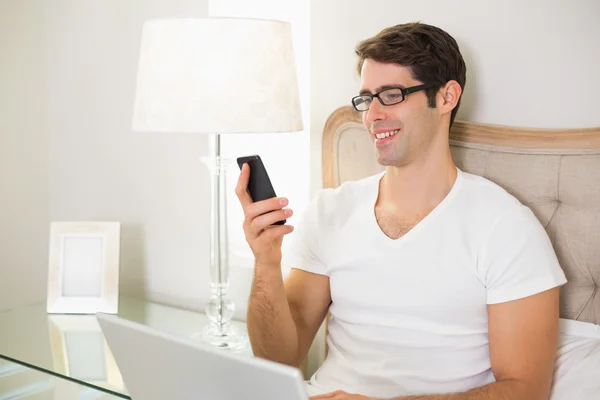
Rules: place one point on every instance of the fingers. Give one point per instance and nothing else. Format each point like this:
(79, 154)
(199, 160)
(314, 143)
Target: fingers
(277, 231)
(262, 228)
(264, 221)
(253, 209)
(260, 216)
(241, 189)
(262, 207)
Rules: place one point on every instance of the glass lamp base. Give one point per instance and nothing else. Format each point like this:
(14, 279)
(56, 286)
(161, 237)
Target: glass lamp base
(228, 338)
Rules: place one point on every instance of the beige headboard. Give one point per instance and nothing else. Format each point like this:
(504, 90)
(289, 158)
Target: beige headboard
(554, 172)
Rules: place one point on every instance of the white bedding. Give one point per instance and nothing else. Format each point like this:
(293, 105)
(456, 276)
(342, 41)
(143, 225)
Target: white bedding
(577, 367)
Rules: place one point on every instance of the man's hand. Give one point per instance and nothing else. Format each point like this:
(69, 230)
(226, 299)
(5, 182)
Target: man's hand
(340, 395)
(264, 238)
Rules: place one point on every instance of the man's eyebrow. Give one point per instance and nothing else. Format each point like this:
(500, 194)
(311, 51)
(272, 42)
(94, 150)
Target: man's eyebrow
(379, 89)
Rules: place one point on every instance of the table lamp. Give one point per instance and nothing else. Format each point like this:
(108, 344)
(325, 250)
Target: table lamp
(217, 76)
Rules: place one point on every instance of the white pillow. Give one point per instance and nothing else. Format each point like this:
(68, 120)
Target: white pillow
(577, 366)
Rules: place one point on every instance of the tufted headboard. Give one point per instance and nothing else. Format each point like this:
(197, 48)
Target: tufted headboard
(554, 172)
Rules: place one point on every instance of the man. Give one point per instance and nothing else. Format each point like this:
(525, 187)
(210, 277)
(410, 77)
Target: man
(440, 284)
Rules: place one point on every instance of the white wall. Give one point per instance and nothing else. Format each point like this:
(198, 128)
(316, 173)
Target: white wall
(154, 184)
(73, 67)
(532, 63)
(23, 158)
(68, 151)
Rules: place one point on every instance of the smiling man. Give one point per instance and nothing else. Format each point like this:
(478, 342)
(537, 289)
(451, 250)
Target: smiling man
(440, 284)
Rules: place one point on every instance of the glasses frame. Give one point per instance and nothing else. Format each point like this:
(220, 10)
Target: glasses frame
(405, 92)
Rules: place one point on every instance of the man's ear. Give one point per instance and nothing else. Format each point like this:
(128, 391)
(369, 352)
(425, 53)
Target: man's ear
(449, 96)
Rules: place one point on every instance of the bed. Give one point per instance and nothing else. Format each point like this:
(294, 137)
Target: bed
(554, 172)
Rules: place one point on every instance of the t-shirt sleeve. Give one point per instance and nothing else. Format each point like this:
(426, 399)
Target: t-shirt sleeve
(302, 249)
(518, 259)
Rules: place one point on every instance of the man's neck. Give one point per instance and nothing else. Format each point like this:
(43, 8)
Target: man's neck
(417, 187)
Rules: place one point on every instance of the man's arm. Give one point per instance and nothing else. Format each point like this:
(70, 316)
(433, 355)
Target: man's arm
(283, 318)
(502, 390)
(523, 338)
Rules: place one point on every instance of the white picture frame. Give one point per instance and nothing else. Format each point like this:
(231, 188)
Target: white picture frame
(83, 268)
(80, 351)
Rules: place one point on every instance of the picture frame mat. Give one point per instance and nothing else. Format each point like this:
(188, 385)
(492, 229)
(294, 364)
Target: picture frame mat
(107, 300)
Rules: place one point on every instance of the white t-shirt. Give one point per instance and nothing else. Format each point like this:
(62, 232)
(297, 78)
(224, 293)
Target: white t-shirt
(409, 316)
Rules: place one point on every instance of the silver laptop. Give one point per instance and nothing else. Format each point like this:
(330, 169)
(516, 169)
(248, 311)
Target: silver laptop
(159, 366)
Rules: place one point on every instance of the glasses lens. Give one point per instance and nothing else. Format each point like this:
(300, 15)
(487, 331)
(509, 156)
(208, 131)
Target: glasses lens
(391, 96)
(361, 103)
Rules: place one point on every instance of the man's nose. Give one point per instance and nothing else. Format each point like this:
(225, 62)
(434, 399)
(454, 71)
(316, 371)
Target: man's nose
(376, 111)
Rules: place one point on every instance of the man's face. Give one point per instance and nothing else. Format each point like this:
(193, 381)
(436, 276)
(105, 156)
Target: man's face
(411, 123)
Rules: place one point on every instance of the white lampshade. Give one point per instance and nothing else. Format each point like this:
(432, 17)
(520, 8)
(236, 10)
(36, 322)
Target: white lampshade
(217, 75)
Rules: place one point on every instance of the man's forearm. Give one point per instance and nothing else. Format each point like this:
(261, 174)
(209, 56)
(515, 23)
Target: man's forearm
(501, 390)
(271, 327)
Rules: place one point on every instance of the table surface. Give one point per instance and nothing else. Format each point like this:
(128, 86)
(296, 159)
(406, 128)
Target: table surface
(60, 347)
(21, 382)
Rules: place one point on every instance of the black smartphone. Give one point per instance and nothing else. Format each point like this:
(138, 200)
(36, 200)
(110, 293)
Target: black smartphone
(259, 184)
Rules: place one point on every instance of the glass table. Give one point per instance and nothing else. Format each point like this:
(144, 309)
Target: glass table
(72, 348)
(20, 382)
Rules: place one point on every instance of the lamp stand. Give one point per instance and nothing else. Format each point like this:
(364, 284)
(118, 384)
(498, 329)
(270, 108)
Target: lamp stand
(219, 309)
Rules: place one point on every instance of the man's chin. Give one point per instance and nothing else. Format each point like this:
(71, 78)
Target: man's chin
(386, 160)
(388, 163)
(396, 163)
(393, 156)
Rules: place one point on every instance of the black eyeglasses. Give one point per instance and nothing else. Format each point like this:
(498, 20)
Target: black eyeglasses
(387, 97)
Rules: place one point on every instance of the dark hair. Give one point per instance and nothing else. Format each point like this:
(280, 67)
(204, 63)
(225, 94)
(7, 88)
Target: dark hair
(431, 53)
